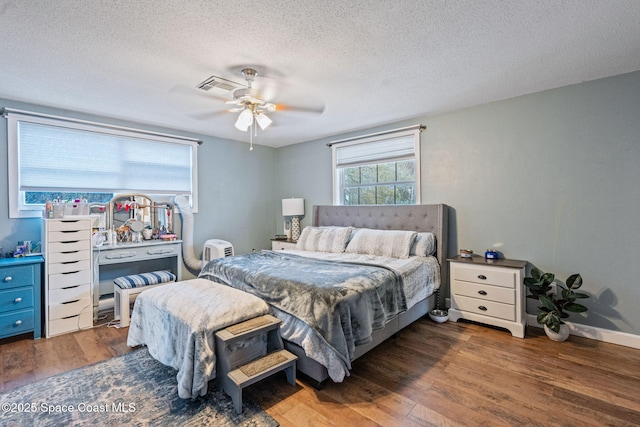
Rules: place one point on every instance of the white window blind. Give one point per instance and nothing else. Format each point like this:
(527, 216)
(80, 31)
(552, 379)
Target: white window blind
(49, 153)
(388, 149)
(381, 168)
(63, 159)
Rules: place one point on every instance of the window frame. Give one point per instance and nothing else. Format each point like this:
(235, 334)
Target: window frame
(17, 207)
(374, 138)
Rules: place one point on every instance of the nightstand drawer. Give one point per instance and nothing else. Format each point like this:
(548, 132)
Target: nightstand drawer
(17, 277)
(16, 322)
(493, 276)
(484, 292)
(486, 308)
(16, 299)
(280, 245)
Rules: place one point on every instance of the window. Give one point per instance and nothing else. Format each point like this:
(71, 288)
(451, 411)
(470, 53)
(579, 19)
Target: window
(55, 157)
(380, 169)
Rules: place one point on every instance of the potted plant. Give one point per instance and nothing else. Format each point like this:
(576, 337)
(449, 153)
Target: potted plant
(555, 305)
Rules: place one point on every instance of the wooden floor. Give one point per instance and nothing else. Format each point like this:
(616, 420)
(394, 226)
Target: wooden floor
(452, 374)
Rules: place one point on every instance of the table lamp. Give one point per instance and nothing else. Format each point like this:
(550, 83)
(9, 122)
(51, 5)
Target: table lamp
(294, 208)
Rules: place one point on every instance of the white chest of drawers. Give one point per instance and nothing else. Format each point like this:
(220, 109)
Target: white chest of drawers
(489, 291)
(67, 252)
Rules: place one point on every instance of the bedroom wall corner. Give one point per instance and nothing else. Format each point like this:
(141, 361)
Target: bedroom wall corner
(549, 177)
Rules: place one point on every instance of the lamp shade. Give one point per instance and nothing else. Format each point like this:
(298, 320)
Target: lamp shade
(244, 120)
(292, 207)
(263, 121)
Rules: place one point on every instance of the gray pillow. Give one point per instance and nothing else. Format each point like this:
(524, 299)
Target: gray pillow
(424, 245)
(389, 243)
(324, 239)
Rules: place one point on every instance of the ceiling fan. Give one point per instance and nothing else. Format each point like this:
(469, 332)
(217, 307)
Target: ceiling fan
(252, 108)
(247, 101)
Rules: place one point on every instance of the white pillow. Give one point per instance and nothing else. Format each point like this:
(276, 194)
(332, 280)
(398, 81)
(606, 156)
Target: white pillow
(389, 243)
(324, 239)
(424, 245)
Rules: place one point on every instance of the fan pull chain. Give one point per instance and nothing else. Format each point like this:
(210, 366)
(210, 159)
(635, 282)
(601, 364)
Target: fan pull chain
(251, 136)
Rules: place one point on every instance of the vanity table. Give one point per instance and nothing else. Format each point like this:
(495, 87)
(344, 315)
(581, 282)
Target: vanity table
(130, 217)
(122, 259)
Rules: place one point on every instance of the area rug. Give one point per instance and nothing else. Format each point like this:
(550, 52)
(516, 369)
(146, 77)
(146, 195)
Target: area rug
(133, 390)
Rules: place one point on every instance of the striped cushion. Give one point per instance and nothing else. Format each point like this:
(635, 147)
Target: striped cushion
(144, 279)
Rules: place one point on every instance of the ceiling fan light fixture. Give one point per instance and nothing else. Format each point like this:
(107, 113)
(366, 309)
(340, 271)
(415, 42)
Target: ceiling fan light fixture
(244, 120)
(263, 121)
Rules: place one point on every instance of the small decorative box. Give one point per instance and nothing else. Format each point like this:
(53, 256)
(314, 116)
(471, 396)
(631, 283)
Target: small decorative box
(491, 254)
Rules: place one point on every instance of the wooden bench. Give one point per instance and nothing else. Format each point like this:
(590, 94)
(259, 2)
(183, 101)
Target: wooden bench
(126, 287)
(249, 352)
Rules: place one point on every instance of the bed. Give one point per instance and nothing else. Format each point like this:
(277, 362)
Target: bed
(367, 312)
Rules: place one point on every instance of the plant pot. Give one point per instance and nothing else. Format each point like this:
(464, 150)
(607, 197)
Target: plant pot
(560, 336)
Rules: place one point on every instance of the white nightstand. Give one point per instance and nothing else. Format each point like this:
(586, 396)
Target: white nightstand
(279, 245)
(489, 291)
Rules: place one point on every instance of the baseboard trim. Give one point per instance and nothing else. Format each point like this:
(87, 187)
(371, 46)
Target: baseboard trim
(594, 333)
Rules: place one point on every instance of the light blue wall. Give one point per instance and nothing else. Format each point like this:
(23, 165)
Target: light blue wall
(552, 178)
(236, 199)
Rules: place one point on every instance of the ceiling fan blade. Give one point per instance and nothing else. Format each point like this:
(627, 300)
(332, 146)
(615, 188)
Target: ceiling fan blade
(299, 109)
(207, 115)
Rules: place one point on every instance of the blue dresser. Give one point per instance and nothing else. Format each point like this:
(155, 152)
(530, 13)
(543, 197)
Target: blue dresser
(20, 296)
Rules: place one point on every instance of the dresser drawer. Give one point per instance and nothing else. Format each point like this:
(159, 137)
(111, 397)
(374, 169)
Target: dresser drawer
(16, 322)
(69, 294)
(55, 257)
(18, 276)
(69, 267)
(68, 236)
(64, 280)
(484, 292)
(70, 224)
(80, 245)
(70, 308)
(16, 299)
(486, 308)
(71, 324)
(493, 275)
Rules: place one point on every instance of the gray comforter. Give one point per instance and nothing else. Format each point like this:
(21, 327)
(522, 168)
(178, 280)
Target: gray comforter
(177, 323)
(343, 302)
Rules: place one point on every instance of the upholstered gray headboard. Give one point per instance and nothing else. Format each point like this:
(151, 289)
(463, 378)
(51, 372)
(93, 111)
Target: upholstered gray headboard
(420, 218)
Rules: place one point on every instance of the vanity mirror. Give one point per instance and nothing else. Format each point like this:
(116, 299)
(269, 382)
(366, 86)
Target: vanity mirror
(131, 214)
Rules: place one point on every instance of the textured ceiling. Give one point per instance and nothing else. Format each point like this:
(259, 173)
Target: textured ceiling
(366, 62)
